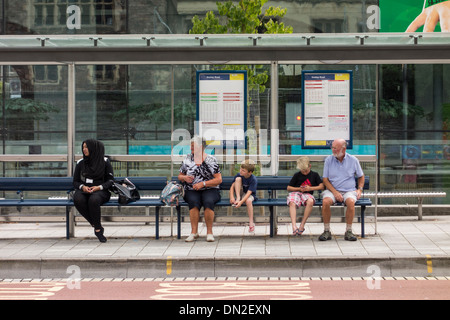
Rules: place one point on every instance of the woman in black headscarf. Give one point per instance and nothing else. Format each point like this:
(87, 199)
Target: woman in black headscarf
(92, 178)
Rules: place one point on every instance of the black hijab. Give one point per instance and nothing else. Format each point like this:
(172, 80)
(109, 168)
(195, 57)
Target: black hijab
(94, 164)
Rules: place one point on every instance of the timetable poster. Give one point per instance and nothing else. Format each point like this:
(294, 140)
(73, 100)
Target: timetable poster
(326, 108)
(222, 107)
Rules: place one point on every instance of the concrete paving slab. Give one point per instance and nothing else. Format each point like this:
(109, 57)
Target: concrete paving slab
(402, 247)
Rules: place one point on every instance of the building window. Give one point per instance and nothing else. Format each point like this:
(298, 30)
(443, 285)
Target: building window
(45, 74)
(104, 12)
(327, 26)
(53, 12)
(105, 72)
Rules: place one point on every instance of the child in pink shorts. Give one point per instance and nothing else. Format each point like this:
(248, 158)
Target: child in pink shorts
(301, 188)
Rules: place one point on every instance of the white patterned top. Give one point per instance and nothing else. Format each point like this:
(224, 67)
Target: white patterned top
(203, 172)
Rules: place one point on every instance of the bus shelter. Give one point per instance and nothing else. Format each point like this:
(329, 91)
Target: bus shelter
(219, 49)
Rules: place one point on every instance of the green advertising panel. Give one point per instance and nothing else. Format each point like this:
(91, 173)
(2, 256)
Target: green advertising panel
(399, 15)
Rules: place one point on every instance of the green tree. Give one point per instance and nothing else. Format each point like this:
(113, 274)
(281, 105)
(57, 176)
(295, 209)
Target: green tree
(20, 108)
(245, 16)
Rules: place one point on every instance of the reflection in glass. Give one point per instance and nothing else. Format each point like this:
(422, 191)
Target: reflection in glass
(33, 100)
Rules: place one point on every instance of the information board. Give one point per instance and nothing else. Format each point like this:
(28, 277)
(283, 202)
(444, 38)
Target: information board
(327, 102)
(222, 107)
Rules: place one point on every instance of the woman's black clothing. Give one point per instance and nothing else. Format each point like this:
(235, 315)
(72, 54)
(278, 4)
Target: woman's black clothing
(81, 177)
(88, 205)
(94, 164)
(93, 170)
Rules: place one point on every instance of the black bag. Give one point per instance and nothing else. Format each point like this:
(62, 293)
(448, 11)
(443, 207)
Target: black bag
(126, 191)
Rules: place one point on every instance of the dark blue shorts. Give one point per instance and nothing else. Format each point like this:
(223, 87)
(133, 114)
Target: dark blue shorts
(202, 198)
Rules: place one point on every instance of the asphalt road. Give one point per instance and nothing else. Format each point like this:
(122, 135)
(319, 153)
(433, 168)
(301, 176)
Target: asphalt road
(433, 288)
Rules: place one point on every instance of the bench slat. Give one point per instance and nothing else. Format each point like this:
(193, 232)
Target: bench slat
(407, 194)
(36, 184)
(66, 183)
(139, 203)
(36, 203)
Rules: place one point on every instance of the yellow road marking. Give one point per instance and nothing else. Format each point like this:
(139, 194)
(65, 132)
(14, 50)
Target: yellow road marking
(429, 264)
(169, 265)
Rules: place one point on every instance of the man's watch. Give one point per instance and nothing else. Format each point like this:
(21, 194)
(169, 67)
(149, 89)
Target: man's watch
(204, 184)
(360, 188)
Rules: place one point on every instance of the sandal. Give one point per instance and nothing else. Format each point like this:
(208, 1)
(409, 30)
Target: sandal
(251, 229)
(300, 232)
(295, 232)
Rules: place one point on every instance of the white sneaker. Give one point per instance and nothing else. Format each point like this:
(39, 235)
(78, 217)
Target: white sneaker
(191, 237)
(209, 238)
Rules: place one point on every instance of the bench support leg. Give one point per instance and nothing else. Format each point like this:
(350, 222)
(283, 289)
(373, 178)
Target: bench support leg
(271, 221)
(419, 208)
(70, 229)
(363, 209)
(157, 222)
(178, 222)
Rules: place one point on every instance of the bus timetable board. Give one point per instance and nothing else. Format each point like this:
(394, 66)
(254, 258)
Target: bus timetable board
(327, 101)
(222, 107)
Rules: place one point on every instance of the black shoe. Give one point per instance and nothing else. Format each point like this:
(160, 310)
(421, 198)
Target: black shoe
(100, 235)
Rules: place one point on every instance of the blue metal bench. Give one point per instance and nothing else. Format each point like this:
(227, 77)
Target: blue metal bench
(64, 184)
(271, 184)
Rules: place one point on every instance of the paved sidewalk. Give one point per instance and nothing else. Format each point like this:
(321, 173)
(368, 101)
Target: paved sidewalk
(403, 246)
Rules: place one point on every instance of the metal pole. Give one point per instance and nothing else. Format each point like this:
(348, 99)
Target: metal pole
(274, 135)
(70, 215)
(70, 118)
(405, 100)
(172, 124)
(377, 142)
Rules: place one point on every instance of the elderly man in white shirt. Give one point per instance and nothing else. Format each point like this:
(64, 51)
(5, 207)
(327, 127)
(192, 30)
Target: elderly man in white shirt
(339, 174)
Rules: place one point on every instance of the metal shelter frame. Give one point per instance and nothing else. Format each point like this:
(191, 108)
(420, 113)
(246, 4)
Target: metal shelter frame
(273, 49)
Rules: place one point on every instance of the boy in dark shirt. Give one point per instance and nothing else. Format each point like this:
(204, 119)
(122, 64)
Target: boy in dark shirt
(245, 181)
(301, 188)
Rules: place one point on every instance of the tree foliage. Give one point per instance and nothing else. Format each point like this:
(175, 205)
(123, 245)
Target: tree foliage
(19, 108)
(248, 17)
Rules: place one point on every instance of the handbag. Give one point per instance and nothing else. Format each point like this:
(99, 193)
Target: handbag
(126, 191)
(171, 193)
